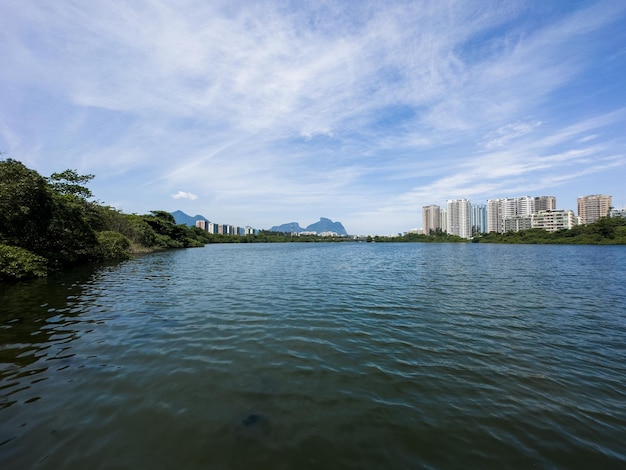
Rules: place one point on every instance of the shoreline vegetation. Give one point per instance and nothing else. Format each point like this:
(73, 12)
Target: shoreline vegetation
(51, 223)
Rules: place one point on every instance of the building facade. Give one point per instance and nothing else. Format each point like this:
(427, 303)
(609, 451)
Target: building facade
(618, 213)
(517, 206)
(517, 223)
(519, 209)
(443, 220)
(591, 208)
(554, 220)
(431, 219)
(494, 216)
(479, 218)
(545, 203)
(460, 218)
(203, 224)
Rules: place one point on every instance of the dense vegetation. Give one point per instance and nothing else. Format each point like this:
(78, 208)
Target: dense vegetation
(47, 223)
(438, 236)
(605, 231)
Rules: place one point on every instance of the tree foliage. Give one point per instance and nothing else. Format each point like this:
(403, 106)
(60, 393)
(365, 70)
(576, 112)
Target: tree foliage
(113, 245)
(26, 206)
(70, 183)
(49, 223)
(17, 263)
(604, 231)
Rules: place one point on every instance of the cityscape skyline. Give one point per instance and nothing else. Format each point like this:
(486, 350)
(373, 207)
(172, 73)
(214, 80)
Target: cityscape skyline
(363, 112)
(464, 219)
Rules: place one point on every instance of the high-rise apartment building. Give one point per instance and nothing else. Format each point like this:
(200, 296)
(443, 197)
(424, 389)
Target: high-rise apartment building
(494, 216)
(517, 208)
(443, 220)
(591, 208)
(545, 203)
(431, 219)
(460, 218)
(479, 218)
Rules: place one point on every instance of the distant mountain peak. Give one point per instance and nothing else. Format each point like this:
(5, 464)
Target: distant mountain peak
(183, 219)
(324, 225)
(289, 227)
(327, 225)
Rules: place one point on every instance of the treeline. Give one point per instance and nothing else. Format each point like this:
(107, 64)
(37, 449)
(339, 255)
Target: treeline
(48, 223)
(437, 236)
(604, 231)
(267, 236)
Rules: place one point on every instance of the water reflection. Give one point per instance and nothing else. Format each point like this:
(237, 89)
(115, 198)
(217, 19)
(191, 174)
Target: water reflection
(311, 356)
(36, 329)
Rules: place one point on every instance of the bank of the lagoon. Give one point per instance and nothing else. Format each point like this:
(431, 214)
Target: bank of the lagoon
(354, 355)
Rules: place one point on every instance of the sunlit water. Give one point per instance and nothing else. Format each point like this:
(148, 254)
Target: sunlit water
(296, 356)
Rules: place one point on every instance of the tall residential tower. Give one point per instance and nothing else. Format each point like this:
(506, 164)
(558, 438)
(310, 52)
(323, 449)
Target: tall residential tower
(460, 218)
(591, 208)
(431, 219)
(479, 218)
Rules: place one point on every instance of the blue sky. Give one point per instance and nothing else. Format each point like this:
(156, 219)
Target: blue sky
(262, 113)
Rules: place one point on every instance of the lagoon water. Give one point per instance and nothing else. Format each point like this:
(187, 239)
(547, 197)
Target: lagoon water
(309, 356)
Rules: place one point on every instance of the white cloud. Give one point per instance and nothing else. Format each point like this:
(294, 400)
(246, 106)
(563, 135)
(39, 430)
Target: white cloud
(184, 195)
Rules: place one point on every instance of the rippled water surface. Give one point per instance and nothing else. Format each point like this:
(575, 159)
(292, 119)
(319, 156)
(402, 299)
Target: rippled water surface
(320, 356)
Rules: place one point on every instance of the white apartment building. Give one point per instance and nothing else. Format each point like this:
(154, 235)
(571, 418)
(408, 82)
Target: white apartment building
(517, 223)
(618, 213)
(517, 206)
(460, 218)
(554, 220)
(499, 210)
(494, 216)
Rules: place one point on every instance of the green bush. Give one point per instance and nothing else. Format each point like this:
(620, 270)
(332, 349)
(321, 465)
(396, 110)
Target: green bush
(113, 246)
(19, 263)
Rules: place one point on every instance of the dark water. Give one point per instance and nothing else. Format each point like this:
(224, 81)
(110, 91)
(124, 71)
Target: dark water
(320, 356)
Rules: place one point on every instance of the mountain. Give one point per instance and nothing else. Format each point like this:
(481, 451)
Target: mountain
(324, 225)
(183, 219)
(327, 225)
(287, 228)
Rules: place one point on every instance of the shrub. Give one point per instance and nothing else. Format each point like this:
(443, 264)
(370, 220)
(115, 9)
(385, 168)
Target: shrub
(112, 246)
(19, 263)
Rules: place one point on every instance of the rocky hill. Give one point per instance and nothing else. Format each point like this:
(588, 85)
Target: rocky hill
(323, 225)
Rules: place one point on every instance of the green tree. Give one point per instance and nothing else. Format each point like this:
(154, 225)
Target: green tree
(69, 182)
(71, 236)
(26, 207)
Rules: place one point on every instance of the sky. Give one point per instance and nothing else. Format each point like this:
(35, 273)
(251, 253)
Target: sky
(268, 112)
